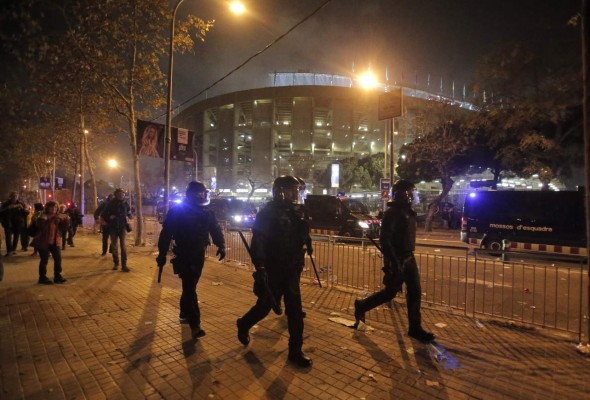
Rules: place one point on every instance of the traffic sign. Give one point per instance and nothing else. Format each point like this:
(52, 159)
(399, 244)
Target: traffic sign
(390, 105)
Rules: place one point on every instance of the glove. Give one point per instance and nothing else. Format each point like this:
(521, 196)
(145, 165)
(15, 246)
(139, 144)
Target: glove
(259, 287)
(220, 253)
(161, 260)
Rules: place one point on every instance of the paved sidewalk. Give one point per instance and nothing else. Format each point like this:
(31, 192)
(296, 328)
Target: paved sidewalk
(112, 335)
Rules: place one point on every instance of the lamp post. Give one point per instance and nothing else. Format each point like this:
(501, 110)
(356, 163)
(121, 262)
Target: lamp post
(237, 8)
(168, 137)
(83, 133)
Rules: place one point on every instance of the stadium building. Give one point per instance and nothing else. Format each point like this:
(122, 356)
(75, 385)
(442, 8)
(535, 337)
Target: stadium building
(298, 125)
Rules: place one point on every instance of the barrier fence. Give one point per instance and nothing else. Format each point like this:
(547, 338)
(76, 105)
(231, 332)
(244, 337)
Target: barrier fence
(546, 291)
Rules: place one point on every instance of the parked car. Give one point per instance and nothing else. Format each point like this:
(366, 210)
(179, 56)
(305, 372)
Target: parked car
(237, 214)
(341, 216)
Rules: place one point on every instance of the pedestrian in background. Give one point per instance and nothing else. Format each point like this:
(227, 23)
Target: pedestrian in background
(277, 248)
(48, 241)
(103, 230)
(76, 218)
(64, 227)
(116, 215)
(398, 241)
(32, 228)
(13, 214)
(24, 235)
(189, 225)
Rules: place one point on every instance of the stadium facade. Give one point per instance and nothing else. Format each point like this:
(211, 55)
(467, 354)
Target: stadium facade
(299, 124)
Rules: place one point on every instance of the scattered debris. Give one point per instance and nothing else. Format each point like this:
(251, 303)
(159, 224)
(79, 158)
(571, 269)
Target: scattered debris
(410, 350)
(432, 383)
(532, 307)
(440, 325)
(148, 322)
(217, 283)
(479, 324)
(583, 349)
(336, 314)
(342, 321)
(440, 354)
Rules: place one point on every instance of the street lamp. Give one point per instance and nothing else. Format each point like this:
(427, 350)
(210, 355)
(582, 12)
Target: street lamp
(237, 8)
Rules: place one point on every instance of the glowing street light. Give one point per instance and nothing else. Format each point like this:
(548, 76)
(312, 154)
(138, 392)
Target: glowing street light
(112, 163)
(368, 80)
(237, 8)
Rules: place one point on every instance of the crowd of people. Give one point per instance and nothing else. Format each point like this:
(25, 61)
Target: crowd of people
(49, 228)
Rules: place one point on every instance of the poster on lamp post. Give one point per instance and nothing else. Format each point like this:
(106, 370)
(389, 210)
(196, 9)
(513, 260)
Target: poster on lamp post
(44, 182)
(181, 148)
(151, 137)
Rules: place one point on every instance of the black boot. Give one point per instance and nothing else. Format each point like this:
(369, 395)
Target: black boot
(197, 332)
(43, 280)
(59, 279)
(243, 335)
(299, 359)
(359, 315)
(421, 335)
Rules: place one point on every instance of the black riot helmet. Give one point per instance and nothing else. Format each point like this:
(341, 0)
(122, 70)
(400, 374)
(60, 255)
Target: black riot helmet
(287, 189)
(404, 191)
(197, 193)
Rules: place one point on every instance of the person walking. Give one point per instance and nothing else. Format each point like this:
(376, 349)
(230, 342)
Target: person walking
(277, 248)
(13, 214)
(32, 228)
(48, 241)
(190, 224)
(64, 227)
(116, 215)
(398, 241)
(76, 218)
(101, 222)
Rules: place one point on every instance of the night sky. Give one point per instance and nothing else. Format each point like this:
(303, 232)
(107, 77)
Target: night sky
(443, 38)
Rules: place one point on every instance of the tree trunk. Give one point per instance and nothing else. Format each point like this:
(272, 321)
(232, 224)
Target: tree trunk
(94, 203)
(447, 184)
(136, 181)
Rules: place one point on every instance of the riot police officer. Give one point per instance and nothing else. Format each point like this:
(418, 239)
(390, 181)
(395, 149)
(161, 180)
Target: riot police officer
(398, 241)
(189, 224)
(278, 238)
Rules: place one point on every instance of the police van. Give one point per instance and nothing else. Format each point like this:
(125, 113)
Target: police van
(340, 216)
(546, 221)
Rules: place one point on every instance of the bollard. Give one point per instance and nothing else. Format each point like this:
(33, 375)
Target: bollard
(505, 249)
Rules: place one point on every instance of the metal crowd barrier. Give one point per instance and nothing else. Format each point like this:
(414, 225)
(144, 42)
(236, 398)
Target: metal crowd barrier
(536, 292)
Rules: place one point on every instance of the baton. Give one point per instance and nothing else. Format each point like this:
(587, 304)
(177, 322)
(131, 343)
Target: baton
(276, 307)
(376, 245)
(315, 270)
(160, 268)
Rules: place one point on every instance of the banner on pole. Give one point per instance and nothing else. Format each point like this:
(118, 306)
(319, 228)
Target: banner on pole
(151, 137)
(44, 182)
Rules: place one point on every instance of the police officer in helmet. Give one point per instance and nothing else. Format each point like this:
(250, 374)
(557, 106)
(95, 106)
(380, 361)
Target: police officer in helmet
(189, 224)
(398, 241)
(278, 241)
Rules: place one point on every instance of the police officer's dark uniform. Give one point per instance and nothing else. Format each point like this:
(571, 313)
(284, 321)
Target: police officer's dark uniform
(189, 224)
(278, 238)
(398, 241)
